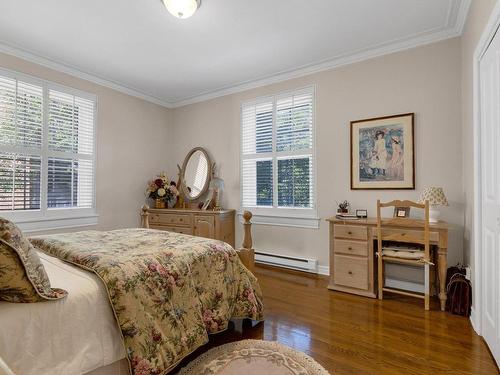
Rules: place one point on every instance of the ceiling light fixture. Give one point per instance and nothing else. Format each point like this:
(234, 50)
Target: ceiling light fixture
(182, 8)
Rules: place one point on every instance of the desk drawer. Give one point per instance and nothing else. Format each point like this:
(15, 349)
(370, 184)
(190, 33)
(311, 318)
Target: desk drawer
(351, 247)
(175, 219)
(350, 272)
(183, 230)
(407, 235)
(354, 232)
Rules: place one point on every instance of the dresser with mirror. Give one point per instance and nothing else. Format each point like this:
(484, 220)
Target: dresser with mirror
(187, 217)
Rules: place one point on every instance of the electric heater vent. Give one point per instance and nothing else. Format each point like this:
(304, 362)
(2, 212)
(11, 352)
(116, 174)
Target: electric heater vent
(301, 264)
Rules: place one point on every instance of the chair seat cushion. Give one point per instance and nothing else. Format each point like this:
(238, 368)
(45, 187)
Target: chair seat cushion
(403, 254)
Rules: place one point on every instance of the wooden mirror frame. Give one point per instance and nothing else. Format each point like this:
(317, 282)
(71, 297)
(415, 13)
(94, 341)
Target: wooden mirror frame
(183, 187)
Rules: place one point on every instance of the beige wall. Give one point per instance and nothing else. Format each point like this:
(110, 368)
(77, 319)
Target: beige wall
(132, 143)
(425, 80)
(479, 14)
(134, 138)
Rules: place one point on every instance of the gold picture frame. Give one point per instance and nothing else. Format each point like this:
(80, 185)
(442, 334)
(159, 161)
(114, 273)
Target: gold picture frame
(382, 153)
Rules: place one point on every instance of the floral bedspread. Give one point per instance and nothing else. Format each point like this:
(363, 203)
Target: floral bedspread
(168, 290)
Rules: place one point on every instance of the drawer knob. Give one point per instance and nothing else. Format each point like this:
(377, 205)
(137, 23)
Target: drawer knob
(349, 248)
(349, 232)
(350, 272)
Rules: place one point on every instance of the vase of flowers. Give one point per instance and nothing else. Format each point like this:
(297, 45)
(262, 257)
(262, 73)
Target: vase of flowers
(343, 207)
(163, 191)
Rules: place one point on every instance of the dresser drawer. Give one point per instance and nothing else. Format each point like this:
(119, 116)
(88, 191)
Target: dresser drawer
(351, 247)
(350, 272)
(166, 219)
(183, 230)
(354, 232)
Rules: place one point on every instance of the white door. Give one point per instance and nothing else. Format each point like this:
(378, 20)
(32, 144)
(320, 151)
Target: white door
(490, 177)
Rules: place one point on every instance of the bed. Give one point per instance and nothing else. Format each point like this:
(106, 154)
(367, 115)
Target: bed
(73, 336)
(206, 286)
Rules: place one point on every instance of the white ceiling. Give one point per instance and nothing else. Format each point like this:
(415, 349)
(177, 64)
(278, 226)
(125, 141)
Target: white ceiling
(136, 46)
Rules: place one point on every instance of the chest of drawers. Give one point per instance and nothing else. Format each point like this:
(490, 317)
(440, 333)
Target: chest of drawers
(351, 258)
(218, 225)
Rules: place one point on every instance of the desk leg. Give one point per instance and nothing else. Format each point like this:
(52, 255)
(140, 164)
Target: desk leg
(442, 267)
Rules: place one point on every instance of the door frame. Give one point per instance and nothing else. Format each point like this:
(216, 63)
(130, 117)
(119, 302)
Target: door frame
(486, 37)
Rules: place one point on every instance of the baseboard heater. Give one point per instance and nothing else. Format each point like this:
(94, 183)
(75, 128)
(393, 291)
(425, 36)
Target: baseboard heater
(285, 261)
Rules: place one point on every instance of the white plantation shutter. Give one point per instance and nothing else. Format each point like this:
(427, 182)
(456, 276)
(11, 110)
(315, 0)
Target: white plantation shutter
(294, 122)
(46, 146)
(277, 157)
(21, 117)
(257, 140)
(70, 144)
(20, 177)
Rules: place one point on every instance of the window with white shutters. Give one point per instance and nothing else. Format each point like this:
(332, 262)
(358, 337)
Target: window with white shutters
(46, 149)
(277, 154)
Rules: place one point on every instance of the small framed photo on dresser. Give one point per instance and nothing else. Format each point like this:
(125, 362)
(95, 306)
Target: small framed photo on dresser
(382, 153)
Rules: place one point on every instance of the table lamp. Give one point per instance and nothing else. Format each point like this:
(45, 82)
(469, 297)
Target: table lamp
(217, 186)
(435, 196)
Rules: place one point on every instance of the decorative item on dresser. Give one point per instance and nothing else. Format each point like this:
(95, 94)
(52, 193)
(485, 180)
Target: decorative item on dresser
(163, 191)
(352, 253)
(217, 187)
(218, 225)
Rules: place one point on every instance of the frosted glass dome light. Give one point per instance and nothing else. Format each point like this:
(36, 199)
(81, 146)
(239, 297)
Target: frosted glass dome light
(182, 8)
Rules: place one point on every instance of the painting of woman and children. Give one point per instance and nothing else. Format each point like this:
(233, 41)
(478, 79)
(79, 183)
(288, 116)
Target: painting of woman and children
(382, 153)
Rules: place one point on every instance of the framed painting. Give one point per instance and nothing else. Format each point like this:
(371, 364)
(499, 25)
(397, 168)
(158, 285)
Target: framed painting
(382, 153)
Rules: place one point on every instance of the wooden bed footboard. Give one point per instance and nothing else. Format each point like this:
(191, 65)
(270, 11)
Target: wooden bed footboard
(246, 253)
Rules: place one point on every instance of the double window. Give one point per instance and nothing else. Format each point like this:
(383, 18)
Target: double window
(46, 149)
(277, 158)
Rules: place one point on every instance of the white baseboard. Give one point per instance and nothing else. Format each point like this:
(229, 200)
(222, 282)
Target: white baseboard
(474, 321)
(323, 270)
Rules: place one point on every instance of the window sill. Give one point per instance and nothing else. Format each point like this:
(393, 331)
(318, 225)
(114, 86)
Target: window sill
(311, 222)
(41, 224)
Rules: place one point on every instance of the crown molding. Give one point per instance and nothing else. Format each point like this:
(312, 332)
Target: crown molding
(337, 62)
(457, 16)
(463, 11)
(75, 72)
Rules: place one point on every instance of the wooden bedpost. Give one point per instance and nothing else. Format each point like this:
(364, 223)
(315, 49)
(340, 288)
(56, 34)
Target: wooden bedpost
(247, 253)
(145, 216)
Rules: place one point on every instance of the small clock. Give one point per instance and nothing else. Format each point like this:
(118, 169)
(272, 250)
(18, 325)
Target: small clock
(362, 214)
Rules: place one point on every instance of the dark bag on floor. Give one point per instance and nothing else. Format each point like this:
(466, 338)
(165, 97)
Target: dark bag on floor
(459, 292)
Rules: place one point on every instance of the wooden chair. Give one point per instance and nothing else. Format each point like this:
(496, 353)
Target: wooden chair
(415, 258)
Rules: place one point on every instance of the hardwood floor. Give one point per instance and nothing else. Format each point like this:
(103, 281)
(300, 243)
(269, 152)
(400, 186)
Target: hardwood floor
(355, 335)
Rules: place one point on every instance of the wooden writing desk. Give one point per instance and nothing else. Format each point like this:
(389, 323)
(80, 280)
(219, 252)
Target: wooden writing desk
(352, 254)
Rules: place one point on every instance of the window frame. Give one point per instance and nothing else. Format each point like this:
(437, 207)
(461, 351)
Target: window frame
(54, 218)
(275, 215)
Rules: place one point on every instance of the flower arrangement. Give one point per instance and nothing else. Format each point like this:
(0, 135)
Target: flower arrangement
(162, 190)
(343, 207)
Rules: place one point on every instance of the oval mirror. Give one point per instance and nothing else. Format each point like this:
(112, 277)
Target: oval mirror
(196, 173)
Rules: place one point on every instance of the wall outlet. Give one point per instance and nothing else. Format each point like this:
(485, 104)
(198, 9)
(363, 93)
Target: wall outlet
(467, 272)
